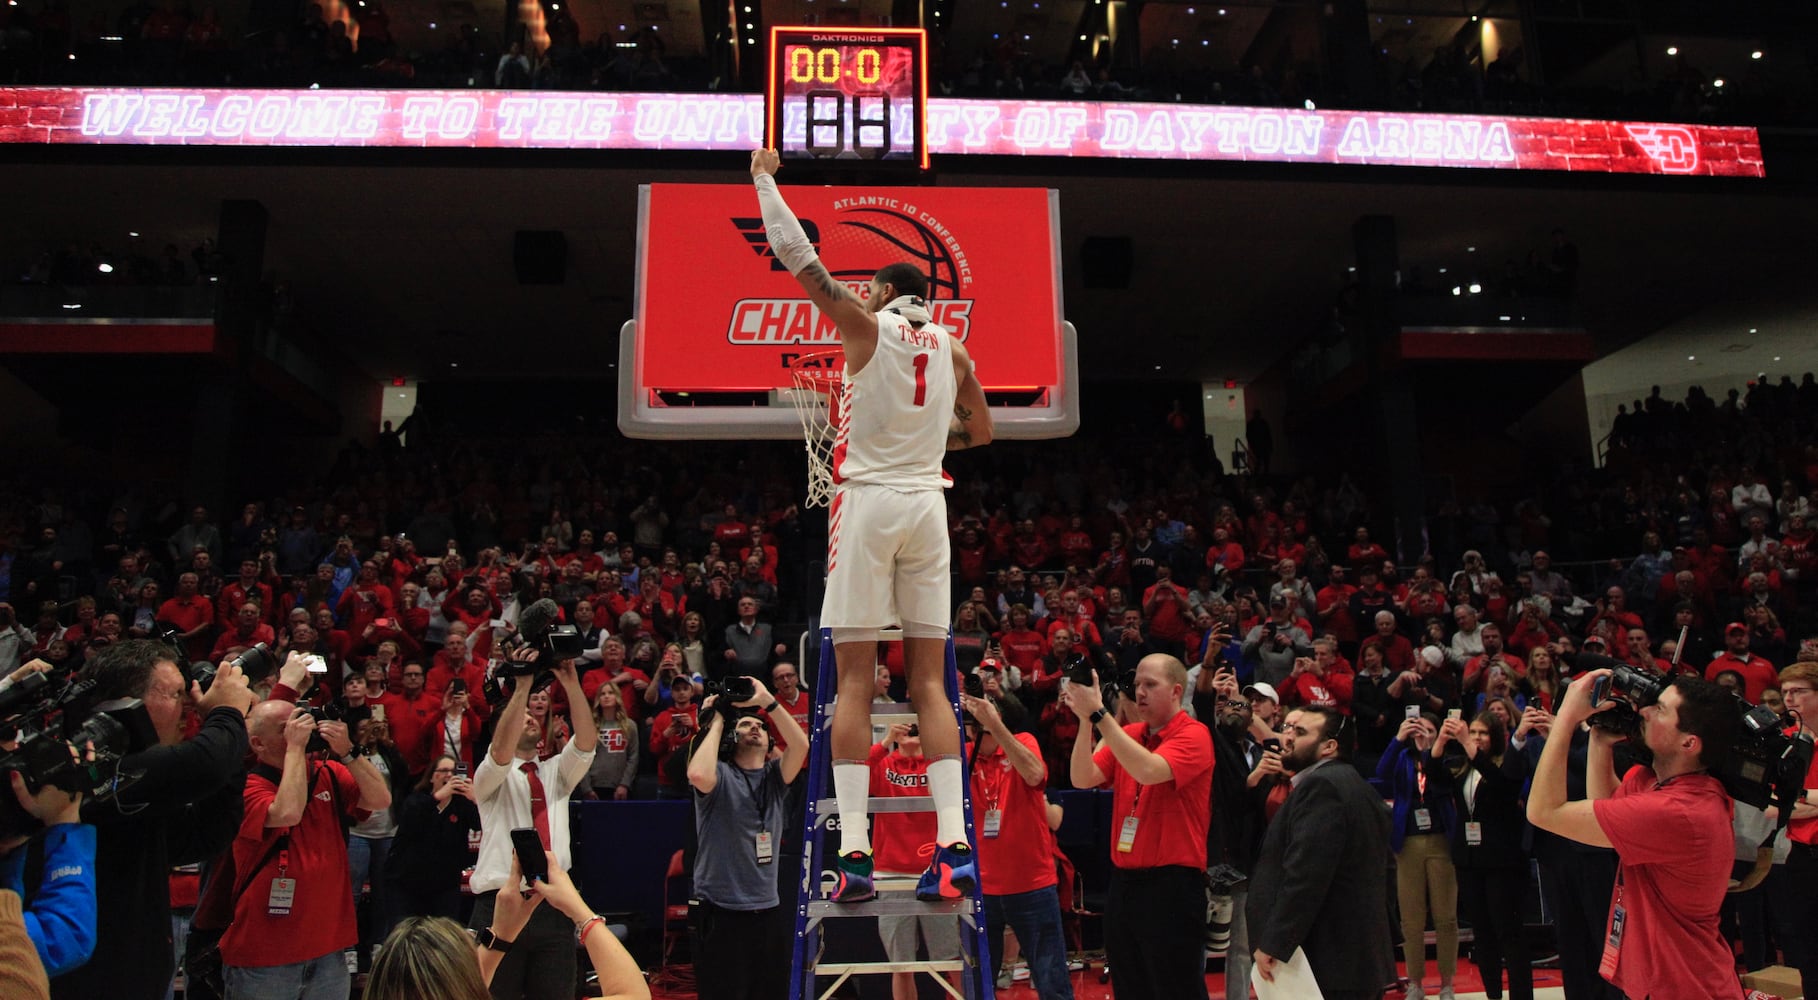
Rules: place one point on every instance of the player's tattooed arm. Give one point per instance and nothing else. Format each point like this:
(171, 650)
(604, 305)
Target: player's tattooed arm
(816, 278)
(959, 433)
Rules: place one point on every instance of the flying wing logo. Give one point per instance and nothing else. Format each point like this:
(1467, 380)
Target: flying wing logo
(753, 232)
(869, 238)
(1672, 146)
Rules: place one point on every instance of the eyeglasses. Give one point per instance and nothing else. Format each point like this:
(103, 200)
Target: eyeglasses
(1788, 692)
(444, 770)
(172, 695)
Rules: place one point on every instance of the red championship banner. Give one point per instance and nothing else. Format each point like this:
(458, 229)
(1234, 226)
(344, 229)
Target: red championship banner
(716, 311)
(498, 119)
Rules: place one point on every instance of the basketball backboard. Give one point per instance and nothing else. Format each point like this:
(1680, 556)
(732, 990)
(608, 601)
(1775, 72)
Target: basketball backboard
(718, 319)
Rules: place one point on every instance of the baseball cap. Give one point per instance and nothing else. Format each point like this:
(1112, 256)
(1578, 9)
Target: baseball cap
(1735, 627)
(989, 663)
(1266, 690)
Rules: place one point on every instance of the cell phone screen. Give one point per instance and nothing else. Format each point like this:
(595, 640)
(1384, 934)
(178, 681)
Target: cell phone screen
(531, 860)
(317, 665)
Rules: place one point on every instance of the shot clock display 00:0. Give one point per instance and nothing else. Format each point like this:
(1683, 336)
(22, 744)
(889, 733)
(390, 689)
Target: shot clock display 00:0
(851, 95)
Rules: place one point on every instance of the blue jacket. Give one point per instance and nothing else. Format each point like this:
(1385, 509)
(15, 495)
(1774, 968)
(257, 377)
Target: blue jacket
(1397, 770)
(61, 918)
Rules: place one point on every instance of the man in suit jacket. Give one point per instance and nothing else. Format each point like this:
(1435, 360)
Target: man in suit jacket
(1322, 879)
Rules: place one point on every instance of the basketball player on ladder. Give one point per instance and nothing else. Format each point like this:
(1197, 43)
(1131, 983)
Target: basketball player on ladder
(909, 396)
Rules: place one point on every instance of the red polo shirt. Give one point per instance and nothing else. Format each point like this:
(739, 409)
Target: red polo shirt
(321, 918)
(1805, 831)
(1171, 817)
(1021, 857)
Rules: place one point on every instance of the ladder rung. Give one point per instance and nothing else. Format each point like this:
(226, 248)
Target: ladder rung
(903, 804)
(891, 718)
(885, 906)
(862, 968)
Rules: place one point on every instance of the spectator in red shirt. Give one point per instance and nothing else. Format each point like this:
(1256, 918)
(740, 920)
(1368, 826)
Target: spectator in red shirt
(670, 733)
(247, 588)
(613, 668)
(1493, 655)
(1076, 543)
(456, 732)
(1225, 558)
(1023, 646)
(1332, 606)
(410, 711)
(1324, 679)
(365, 601)
(192, 613)
(1757, 673)
(1397, 651)
(1165, 609)
(1364, 552)
(247, 631)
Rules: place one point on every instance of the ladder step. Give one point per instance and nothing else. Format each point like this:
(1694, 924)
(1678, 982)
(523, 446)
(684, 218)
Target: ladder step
(887, 906)
(862, 968)
(904, 804)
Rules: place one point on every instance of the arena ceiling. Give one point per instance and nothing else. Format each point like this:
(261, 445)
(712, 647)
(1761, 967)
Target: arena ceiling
(406, 269)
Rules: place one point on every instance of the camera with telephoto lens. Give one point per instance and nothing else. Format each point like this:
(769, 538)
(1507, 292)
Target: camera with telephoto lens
(1765, 766)
(53, 718)
(256, 663)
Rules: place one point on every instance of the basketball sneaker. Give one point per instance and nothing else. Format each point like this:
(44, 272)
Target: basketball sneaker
(854, 871)
(951, 874)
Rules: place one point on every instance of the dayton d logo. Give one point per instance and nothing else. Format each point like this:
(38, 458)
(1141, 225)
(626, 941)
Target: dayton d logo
(1672, 146)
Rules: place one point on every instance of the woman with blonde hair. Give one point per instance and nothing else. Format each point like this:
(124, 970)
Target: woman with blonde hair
(435, 957)
(615, 764)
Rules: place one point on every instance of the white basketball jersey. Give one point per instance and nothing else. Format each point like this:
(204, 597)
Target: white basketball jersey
(896, 411)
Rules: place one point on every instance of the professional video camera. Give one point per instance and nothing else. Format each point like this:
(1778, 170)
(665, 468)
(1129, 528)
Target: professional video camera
(52, 720)
(537, 629)
(729, 691)
(1765, 765)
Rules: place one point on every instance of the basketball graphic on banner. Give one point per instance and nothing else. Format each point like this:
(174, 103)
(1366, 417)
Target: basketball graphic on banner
(866, 239)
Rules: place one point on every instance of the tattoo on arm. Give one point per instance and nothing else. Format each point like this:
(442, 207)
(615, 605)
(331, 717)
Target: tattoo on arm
(816, 274)
(959, 433)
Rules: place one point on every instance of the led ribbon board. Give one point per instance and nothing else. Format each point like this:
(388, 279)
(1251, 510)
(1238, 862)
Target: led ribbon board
(541, 119)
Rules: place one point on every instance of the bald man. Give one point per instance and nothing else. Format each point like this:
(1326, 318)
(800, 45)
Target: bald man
(293, 915)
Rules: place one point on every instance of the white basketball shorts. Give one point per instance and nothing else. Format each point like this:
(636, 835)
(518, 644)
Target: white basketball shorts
(888, 558)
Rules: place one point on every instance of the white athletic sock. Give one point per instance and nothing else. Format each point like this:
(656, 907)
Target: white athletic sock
(852, 790)
(946, 784)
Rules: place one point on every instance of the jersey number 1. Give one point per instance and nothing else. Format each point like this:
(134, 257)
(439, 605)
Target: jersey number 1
(921, 379)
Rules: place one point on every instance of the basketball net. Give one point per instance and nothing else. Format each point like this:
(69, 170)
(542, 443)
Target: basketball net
(819, 382)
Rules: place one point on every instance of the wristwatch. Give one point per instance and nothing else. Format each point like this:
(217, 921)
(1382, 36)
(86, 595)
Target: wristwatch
(1099, 716)
(772, 706)
(485, 938)
(354, 752)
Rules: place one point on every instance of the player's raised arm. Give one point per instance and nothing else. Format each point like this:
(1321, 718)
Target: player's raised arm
(796, 251)
(971, 425)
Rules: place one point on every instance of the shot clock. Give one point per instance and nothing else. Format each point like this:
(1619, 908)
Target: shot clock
(855, 96)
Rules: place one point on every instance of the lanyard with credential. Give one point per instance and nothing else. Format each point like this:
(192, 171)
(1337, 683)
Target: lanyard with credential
(760, 797)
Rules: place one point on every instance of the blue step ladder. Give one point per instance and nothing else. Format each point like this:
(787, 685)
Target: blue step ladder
(895, 897)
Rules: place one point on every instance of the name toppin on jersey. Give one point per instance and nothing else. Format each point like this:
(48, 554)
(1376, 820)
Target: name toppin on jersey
(895, 412)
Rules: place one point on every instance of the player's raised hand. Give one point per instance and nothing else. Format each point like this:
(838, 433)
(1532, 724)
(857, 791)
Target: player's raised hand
(765, 161)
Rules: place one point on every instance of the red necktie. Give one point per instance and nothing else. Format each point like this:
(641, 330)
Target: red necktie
(539, 806)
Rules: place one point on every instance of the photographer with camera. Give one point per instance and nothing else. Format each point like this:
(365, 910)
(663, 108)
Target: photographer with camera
(516, 790)
(183, 808)
(1670, 826)
(741, 928)
(293, 913)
